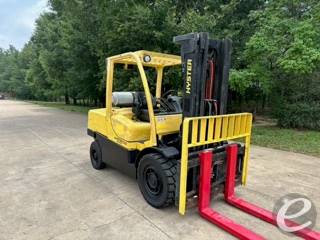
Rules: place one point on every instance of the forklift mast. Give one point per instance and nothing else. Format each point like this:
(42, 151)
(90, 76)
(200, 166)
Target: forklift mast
(205, 71)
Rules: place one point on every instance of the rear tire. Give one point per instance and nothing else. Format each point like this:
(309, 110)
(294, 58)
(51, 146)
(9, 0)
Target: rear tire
(156, 179)
(96, 156)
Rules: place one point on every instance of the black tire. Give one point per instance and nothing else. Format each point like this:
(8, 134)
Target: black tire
(96, 156)
(156, 179)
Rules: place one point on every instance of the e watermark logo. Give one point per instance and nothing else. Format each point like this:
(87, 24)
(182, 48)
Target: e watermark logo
(295, 208)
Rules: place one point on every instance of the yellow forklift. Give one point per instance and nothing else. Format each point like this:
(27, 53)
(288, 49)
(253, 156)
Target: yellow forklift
(166, 141)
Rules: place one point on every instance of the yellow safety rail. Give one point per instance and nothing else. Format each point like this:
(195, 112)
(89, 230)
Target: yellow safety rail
(212, 129)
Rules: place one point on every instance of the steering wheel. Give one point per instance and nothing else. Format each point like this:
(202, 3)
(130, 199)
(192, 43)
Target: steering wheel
(167, 93)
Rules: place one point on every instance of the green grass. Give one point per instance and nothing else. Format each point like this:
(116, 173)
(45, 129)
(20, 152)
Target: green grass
(307, 142)
(63, 106)
(301, 141)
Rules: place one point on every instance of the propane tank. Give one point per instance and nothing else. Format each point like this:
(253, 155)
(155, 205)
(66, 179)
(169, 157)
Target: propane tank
(122, 99)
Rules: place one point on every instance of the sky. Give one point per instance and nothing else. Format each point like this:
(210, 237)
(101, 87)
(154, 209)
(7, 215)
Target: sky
(17, 21)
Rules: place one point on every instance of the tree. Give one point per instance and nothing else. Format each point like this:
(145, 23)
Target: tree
(275, 60)
(13, 66)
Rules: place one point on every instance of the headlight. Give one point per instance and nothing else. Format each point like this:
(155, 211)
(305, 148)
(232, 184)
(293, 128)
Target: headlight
(146, 58)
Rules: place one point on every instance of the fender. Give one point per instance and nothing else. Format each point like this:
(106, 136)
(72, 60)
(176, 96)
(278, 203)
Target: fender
(167, 152)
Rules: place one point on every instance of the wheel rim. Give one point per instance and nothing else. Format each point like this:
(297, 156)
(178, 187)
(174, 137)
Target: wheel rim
(94, 155)
(152, 181)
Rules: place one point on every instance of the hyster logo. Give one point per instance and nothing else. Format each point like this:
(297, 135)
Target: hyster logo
(188, 81)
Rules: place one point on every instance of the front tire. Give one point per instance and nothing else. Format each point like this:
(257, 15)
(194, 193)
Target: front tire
(96, 156)
(157, 180)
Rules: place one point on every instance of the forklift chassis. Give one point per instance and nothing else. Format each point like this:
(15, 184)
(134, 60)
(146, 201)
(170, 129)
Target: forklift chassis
(119, 130)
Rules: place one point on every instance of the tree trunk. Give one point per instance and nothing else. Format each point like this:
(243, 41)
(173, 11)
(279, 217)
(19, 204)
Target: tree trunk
(241, 103)
(264, 99)
(66, 98)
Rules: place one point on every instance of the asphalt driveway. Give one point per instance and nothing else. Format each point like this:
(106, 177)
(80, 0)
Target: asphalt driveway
(48, 189)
